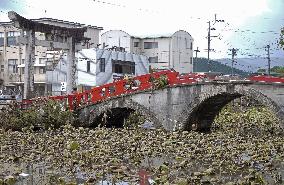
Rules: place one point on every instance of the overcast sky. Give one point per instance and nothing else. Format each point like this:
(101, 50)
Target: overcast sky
(249, 24)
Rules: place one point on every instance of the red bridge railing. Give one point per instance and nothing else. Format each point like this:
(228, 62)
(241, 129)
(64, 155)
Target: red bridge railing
(103, 92)
(267, 79)
(143, 82)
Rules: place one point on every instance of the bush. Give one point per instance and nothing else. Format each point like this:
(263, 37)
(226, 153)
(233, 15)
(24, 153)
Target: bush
(160, 83)
(48, 114)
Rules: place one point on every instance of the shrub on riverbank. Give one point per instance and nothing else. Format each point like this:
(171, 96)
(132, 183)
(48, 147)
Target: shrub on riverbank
(255, 119)
(49, 114)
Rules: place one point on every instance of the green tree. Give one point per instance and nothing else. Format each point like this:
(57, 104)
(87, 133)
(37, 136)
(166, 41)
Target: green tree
(261, 70)
(278, 69)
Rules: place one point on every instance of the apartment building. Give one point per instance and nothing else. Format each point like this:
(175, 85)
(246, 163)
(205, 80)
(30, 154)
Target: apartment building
(97, 67)
(12, 54)
(169, 51)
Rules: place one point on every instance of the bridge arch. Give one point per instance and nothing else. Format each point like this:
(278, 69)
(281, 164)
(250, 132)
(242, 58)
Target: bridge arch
(200, 113)
(121, 106)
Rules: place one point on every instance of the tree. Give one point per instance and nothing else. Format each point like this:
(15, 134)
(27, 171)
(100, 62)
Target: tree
(278, 69)
(261, 70)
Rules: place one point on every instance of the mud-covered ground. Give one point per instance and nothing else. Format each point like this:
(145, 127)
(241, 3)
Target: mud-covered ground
(243, 147)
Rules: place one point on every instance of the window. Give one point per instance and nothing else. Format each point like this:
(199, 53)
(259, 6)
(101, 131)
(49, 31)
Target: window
(23, 61)
(41, 70)
(13, 33)
(88, 66)
(22, 71)
(191, 60)
(102, 65)
(191, 45)
(150, 45)
(1, 39)
(12, 66)
(2, 68)
(11, 39)
(153, 59)
(42, 60)
(117, 68)
(123, 67)
(136, 44)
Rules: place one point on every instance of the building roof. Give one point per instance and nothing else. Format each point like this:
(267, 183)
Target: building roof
(115, 31)
(165, 35)
(107, 54)
(162, 35)
(57, 21)
(66, 22)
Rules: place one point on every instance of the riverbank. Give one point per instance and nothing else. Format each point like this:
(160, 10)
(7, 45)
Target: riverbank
(243, 147)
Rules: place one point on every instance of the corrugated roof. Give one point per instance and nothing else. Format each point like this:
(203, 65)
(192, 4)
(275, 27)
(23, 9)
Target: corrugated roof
(116, 55)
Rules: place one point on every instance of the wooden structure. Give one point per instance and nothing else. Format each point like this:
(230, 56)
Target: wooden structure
(73, 36)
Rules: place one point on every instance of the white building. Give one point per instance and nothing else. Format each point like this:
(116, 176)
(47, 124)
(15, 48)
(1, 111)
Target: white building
(172, 51)
(98, 66)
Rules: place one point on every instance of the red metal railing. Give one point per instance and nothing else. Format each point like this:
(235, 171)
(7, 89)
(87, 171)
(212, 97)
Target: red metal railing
(143, 82)
(267, 79)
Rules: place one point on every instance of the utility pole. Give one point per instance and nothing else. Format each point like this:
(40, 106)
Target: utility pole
(196, 51)
(209, 38)
(234, 53)
(268, 58)
(208, 48)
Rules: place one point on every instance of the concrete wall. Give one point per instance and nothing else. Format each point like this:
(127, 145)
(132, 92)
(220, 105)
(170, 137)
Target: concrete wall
(87, 78)
(139, 48)
(181, 52)
(162, 52)
(117, 38)
(174, 51)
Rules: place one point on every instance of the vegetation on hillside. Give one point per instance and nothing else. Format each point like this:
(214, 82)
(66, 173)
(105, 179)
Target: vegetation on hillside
(276, 71)
(201, 65)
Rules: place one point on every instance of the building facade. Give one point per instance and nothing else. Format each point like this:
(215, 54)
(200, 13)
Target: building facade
(12, 54)
(172, 51)
(97, 67)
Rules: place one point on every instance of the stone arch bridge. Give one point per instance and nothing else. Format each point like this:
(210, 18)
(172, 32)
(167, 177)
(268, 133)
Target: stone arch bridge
(185, 100)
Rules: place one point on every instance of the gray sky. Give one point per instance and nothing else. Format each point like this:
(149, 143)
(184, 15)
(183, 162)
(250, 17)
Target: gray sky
(249, 24)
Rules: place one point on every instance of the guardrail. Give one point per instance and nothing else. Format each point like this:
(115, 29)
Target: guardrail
(136, 84)
(266, 79)
(118, 88)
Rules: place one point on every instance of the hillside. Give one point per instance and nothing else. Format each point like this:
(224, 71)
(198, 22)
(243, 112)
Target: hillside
(252, 64)
(201, 65)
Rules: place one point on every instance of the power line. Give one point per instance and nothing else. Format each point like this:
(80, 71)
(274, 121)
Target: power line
(124, 6)
(252, 31)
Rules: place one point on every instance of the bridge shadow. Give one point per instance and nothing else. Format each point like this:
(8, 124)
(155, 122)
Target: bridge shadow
(203, 115)
(112, 118)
